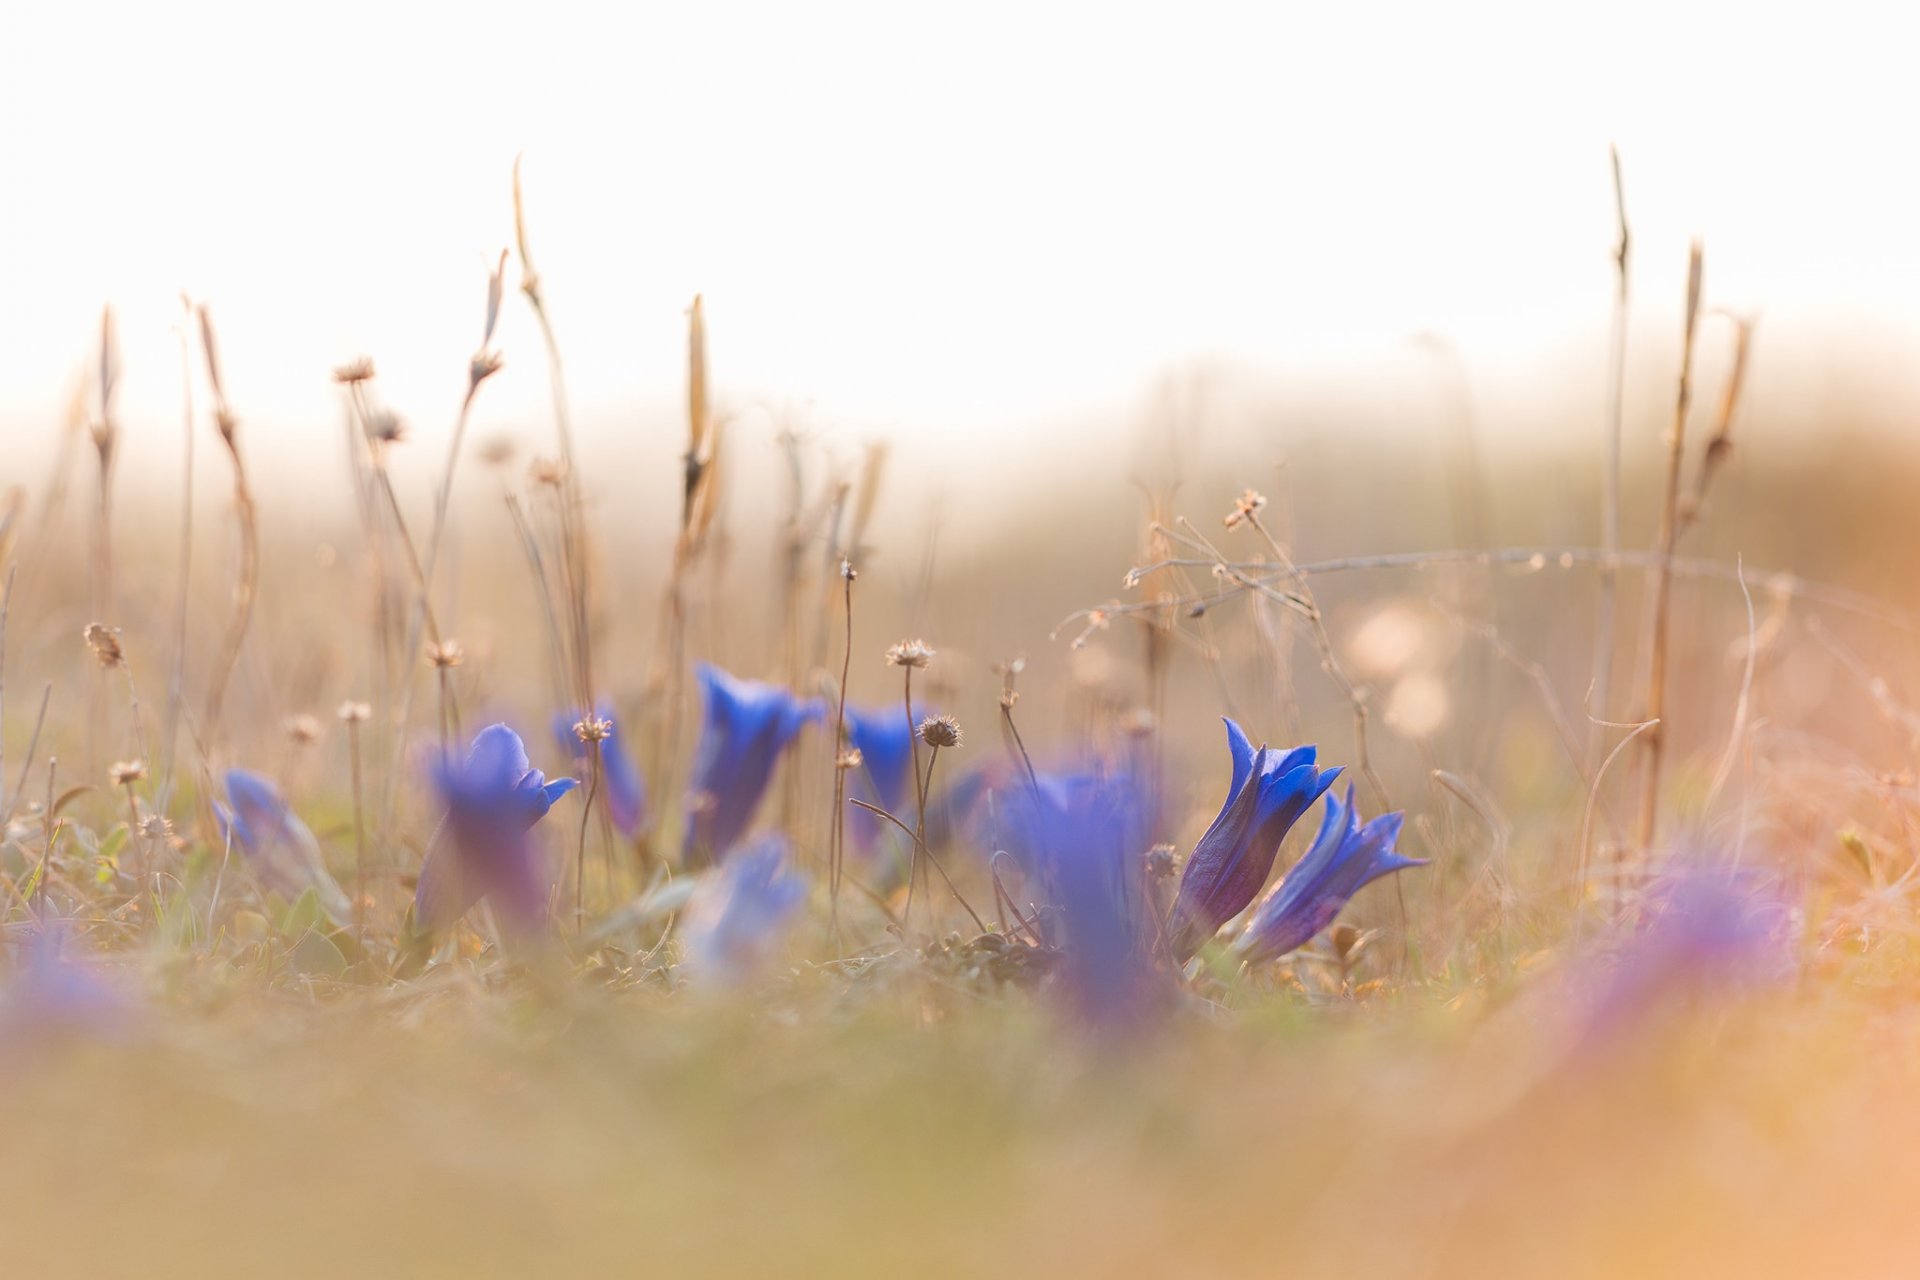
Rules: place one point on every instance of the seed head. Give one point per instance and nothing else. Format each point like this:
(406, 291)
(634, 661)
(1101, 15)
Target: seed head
(386, 427)
(498, 451)
(105, 643)
(303, 729)
(485, 365)
(593, 729)
(547, 471)
(850, 759)
(157, 828)
(354, 712)
(360, 370)
(127, 772)
(1249, 502)
(910, 653)
(447, 653)
(940, 731)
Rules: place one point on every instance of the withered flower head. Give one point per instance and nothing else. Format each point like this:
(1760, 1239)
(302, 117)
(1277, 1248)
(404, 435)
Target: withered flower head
(448, 653)
(354, 712)
(127, 772)
(105, 643)
(910, 653)
(1249, 502)
(360, 370)
(940, 731)
(303, 728)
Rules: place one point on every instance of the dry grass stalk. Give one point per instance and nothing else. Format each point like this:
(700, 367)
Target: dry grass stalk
(1662, 585)
(574, 559)
(247, 577)
(177, 677)
(1610, 476)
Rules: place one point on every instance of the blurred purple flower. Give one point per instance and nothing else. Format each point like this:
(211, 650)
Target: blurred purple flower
(1700, 929)
(278, 846)
(1343, 858)
(1081, 837)
(1269, 792)
(884, 740)
(620, 784)
(50, 991)
(741, 911)
(484, 848)
(748, 724)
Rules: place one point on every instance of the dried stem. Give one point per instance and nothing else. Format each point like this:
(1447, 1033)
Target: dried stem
(838, 851)
(1610, 477)
(1662, 585)
(1329, 661)
(246, 581)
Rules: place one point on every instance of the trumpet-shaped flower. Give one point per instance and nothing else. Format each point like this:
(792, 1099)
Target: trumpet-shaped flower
(1080, 837)
(1344, 857)
(51, 991)
(741, 911)
(278, 846)
(484, 848)
(748, 724)
(620, 783)
(1269, 792)
(884, 740)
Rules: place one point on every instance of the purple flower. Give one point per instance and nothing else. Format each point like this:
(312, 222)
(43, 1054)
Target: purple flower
(1080, 836)
(884, 740)
(484, 848)
(620, 784)
(51, 991)
(1344, 857)
(1231, 862)
(748, 724)
(278, 846)
(1700, 930)
(741, 911)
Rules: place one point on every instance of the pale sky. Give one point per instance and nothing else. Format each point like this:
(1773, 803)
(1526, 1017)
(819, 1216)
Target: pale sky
(949, 224)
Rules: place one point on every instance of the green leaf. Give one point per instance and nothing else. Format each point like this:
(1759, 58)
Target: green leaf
(116, 841)
(315, 955)
(303, 915)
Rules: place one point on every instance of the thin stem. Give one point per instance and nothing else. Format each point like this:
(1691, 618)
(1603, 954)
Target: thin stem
(1610, 477)
(1662, 585)
(359, 834)
(837, 853)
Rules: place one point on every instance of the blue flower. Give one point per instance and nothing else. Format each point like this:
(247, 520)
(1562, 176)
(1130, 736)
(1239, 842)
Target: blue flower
(1233, 859)
(1700, 932)
(1344, 857)
(884, 740)
(1080, 836)
(620, 784)
(484, 848)
(741, 911)
(748, 724)
(52, 992)
(278, 846)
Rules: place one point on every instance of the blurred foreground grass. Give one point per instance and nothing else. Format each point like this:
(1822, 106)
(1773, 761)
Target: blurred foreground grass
(450, 1132)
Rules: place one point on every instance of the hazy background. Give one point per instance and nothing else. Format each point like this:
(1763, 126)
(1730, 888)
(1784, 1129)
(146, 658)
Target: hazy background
(1017, 231)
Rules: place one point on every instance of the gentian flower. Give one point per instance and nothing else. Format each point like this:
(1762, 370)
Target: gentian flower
(278, 846)
(1233, 859)
(884, 740)
(1080, 837)
(1700, 930)
(484, 848)
(741, 911)
(748, 724)
(620, 783)
(50, 991)
(1344, 857)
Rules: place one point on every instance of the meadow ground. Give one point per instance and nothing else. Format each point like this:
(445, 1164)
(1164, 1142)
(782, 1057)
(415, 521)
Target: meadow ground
(308, 973)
